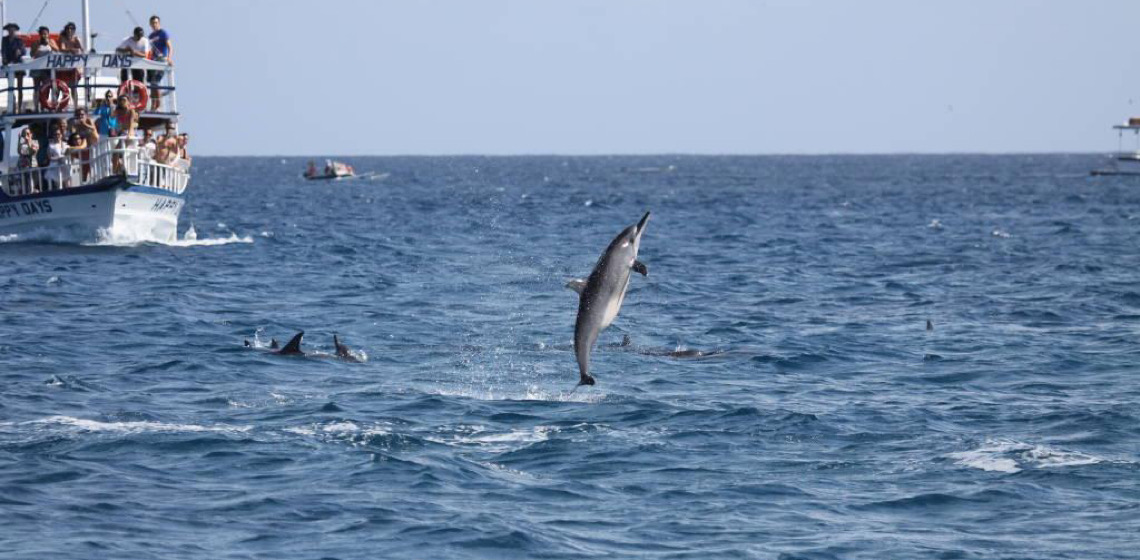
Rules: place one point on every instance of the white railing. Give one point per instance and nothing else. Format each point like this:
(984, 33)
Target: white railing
(117, 156)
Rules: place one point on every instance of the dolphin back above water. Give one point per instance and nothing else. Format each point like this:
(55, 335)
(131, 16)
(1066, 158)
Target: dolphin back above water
(604, 291)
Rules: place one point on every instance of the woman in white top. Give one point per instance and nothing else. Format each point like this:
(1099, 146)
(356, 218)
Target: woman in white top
(57, 154)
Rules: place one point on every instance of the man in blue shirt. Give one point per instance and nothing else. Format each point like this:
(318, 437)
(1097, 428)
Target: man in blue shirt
(160, 49)
(13, 52)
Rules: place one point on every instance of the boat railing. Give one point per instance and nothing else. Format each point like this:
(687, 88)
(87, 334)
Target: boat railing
(83, 79)
(114, 156)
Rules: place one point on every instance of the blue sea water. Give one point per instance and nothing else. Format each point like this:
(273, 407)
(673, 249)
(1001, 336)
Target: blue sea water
(831, 424)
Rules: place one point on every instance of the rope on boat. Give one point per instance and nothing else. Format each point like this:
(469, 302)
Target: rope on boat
(37, 20)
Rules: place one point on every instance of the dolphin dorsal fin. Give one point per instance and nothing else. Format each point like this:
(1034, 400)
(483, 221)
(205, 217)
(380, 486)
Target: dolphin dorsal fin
(294, 345)
(273, 344)
(577, 285)
(341, 350)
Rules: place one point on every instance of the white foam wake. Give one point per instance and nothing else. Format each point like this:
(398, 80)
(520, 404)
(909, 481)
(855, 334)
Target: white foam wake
(135, 427)
(1009, 456)
(117, 238)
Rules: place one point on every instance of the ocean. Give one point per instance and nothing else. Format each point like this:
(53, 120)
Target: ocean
(825, 421)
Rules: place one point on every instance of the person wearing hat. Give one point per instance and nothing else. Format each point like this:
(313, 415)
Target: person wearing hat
(14, 52)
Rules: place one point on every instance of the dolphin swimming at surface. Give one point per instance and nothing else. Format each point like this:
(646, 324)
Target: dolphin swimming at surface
(342, 351)
(603, 292)
(293, 347)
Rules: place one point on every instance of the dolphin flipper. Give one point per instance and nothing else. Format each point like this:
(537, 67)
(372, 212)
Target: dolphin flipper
(294, 345)
(577, 284)
(640, 268)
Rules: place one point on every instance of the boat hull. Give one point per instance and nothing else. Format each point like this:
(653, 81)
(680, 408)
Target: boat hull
(113, 208)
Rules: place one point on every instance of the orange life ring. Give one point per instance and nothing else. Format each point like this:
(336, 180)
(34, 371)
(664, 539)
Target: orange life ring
(136, 89)
(61, 101)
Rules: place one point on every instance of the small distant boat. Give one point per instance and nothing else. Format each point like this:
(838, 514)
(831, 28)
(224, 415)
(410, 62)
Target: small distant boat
(333, 170)
(1123, 162)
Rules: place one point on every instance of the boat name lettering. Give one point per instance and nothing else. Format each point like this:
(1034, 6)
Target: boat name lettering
(25, 208)
(81, 60)
(165, 205)
(117, 60)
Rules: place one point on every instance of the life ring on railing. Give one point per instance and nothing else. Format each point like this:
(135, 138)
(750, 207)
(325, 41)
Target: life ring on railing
(134, 89)
(61, 100)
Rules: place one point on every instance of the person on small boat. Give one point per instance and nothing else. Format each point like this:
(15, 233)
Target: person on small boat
(14, 52)
(312, 170)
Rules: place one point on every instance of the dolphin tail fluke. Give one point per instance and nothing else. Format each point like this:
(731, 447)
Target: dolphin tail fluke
(294, 345)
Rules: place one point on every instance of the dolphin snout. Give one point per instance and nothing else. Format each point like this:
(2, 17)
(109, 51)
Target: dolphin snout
(642, 223)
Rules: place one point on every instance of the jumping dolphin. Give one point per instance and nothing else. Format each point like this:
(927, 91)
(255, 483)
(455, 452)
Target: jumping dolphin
(601, 297)
(342, 351)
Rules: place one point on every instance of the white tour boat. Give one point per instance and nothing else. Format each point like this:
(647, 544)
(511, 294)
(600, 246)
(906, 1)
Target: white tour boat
(114, 188)
(1124, 162)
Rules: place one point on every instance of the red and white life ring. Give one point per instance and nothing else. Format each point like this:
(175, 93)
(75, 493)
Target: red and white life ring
(62, 97)
(136, 90)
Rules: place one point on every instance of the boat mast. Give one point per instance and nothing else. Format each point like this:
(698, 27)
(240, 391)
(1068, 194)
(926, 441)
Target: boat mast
(86, 28)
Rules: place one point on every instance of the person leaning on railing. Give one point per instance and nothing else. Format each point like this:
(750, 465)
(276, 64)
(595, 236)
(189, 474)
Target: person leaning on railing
(14, 52)
(161, 51)
(135, 45)
(147, 146)
(43, 46)
(69, 43)
(78, 152)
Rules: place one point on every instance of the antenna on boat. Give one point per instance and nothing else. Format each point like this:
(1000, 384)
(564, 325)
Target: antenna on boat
(37, 20)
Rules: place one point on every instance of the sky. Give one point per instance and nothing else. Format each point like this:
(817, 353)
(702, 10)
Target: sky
(572, 77)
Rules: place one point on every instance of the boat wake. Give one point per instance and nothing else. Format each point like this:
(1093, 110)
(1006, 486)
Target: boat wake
(117, 238)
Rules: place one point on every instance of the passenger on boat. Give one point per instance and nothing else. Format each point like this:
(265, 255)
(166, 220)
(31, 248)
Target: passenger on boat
(102, 111)
(57, 157)
(127, 119)
(14, 52)
(167, 146)
(161, 52)
(77, 148)
(27, 149)
(147, 147)
(84, 126)
(69, 43)
(312, 170)
(136, 45)
(43, 46)
(183, 161)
